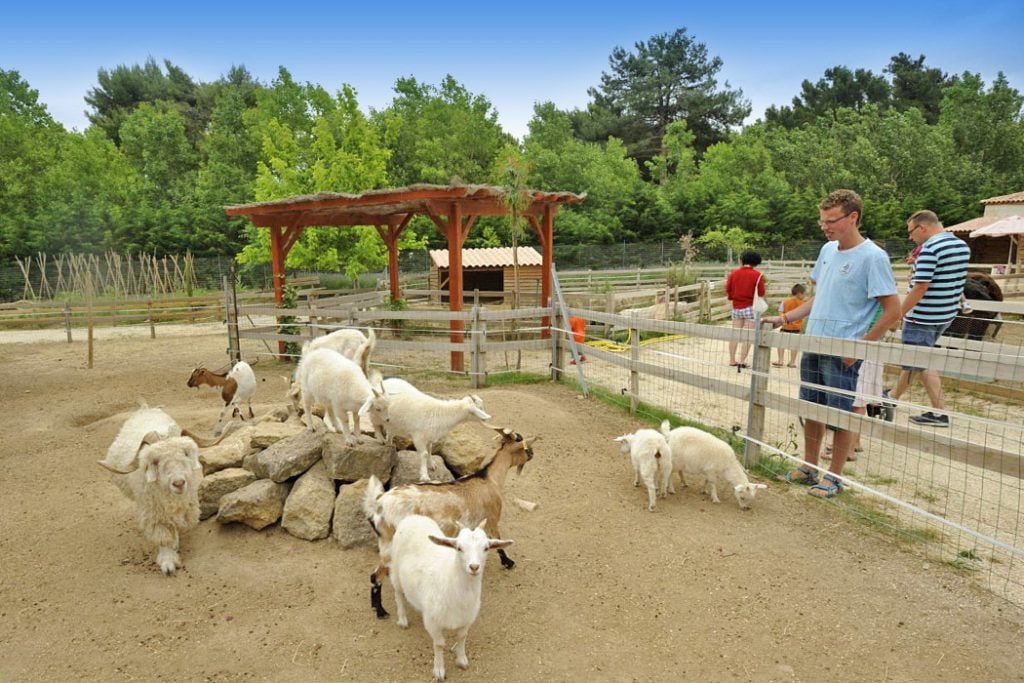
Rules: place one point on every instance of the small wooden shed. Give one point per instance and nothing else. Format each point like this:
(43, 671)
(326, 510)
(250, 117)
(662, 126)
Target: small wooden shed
(990, 249)
(492, 271)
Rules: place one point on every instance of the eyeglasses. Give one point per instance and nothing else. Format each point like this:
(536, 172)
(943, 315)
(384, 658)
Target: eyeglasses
(832, 221)
(910, 233)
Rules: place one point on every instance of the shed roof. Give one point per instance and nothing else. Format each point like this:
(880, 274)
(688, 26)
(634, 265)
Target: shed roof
(973, 224)
(1015, 198)
(496, 257)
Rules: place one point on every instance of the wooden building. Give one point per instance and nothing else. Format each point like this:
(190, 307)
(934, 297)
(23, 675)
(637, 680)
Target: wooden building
(991, 249)
(491, 271)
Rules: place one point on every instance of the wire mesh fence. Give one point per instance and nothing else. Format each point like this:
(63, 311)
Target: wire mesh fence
(954, 492)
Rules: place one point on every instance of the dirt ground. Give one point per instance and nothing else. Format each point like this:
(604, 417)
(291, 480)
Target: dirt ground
(603, 590)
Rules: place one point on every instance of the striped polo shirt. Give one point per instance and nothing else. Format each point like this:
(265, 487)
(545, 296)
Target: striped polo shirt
(943, 264)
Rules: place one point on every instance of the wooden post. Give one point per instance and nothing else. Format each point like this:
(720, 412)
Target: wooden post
(67, 319)
(609, 307)
(557, 348)
(277, 257)
(149, 308)
(88, 301)
(475, 345)
(756, 406)
(634, 357)
(455, 281)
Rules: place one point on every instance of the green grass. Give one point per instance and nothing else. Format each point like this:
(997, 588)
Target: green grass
(512, 377)
(879, 480)
(870, 513)
(926, 497)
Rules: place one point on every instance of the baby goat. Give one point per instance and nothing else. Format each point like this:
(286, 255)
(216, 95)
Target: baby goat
(466, 501)
(441, 577)
(695, 451)
(238, 386)
(652, 461)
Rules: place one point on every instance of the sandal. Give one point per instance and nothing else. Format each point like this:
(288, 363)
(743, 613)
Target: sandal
(828, 487)
(809, 476)
(777, 365)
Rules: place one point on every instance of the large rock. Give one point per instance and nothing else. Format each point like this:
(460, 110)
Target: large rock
(308, 510)
(217, 485)
(287, 458)
(351, 528)
(230, 452)
(352, 463)
(467, 448)
(407, 470)
(266, 434)
(257, 505)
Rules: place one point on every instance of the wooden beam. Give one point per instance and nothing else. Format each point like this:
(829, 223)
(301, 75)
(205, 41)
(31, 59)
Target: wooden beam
(547, 238)
(455, 240)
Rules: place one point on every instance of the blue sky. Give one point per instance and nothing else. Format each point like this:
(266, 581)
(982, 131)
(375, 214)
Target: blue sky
(515, 54)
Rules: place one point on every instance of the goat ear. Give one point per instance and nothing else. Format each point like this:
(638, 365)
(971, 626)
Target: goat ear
(498, 544)
(442, 541)
(760, 486)
(479, 413)
(149, 466)
(624, 437)
(365, 408)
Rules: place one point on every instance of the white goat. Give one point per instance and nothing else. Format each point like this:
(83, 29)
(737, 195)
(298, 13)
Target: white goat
(425, 419)
(695, 451)
(339, 385)
(349, 342)
(463, 502)
(238, 386)
(441, 577)
(652, 461)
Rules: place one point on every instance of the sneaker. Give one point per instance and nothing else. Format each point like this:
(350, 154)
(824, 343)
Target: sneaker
(931, 419)
(888, 408)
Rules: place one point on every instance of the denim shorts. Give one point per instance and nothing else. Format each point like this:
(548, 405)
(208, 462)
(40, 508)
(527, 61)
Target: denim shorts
(916, 334)
(829, 371)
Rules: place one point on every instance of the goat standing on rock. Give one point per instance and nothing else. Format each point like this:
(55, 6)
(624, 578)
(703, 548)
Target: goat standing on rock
(237, 386)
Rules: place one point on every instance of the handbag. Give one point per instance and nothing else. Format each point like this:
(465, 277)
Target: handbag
(760, 304)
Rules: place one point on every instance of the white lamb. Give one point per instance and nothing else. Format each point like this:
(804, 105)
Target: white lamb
(652, 461)
(441, 577)
(695, 451)
(159, 469)
(425, 419)
(339, 385)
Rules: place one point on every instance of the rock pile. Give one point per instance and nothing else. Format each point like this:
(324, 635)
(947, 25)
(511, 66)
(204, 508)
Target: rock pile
(313, 482)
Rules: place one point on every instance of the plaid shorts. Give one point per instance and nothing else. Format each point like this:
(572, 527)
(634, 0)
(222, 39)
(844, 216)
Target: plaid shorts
(747, 312)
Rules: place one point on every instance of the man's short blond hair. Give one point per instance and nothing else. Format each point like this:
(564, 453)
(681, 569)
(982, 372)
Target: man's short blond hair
(848, 200)
(925, 217)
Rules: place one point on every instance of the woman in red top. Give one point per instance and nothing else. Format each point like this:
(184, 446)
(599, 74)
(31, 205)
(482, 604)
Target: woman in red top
(739, 289)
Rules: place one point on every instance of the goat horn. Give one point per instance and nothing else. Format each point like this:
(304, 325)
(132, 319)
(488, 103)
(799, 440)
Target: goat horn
(116, 470)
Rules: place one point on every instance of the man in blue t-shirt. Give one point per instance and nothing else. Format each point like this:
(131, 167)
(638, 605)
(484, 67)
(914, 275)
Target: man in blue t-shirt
(852, 278)
(928, 309)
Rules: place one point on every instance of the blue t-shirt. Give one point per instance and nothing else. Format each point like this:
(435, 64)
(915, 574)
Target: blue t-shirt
(847, 286)
(942, 263)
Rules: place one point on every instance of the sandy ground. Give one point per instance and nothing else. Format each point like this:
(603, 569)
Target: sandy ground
(603, 589)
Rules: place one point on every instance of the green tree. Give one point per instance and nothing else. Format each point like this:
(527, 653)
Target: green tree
(915, 85)
(840, 88)
(437, 133)
(668, 78)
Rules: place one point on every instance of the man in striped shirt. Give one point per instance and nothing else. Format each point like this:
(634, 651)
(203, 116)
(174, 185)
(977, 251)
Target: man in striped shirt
(931, 304)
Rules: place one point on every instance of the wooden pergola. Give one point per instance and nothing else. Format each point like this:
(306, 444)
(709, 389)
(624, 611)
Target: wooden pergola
(452, 208)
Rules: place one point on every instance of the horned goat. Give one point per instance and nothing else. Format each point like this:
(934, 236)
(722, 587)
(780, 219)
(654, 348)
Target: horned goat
(424, 419)
(156, 463)
(652, 461)
(695, 451)
(441, 577)
(466, 501)
(237, 386)
(340, 386)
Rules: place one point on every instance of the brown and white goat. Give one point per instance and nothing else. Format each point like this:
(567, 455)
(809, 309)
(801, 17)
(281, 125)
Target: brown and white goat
(237, 386)
(464, 502)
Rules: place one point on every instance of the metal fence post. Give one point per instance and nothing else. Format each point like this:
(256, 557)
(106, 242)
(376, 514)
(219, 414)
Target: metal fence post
(149, 315)
(67, 319)
(557, 351)
(475, 347)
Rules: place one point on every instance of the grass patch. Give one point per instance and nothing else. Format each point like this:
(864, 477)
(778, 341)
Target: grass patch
(962, 565)
(878, 479)
(871, 514)
(925, 496)
(512, 377)
(968, 554)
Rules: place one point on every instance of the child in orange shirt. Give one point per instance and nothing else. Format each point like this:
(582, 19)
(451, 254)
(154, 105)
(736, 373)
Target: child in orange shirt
(796, 327)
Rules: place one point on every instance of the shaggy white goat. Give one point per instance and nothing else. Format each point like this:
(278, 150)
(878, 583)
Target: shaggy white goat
(161, 474)
(464, 502)
(339, 385)
(652, 461)
(349, 342)
(441, 577)
(238, 386)
(425, 419)
(695, 451)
